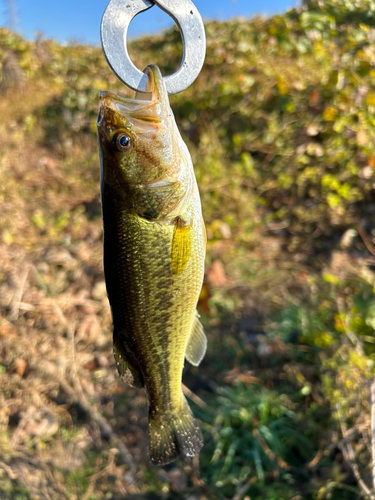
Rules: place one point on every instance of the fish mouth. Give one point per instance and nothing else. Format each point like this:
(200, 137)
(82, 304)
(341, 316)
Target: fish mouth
(151, 105)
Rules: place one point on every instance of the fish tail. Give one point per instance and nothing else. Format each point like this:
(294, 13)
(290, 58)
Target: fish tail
(173, 435)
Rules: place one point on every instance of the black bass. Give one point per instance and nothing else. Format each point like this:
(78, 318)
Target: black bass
(154, 249)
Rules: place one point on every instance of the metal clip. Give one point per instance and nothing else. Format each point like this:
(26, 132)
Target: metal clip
(114, 29)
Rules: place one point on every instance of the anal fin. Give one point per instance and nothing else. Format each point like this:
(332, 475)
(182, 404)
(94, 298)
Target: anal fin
(197, 343)
(127, 369)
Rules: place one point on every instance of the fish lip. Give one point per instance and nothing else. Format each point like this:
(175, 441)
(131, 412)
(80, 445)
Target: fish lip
(155, 89)
(155, 83)
(156, 96)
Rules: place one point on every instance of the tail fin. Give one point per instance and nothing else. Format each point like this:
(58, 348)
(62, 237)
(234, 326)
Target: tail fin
(173, 434)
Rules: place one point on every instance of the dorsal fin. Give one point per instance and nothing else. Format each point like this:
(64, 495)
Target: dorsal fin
(197, 343)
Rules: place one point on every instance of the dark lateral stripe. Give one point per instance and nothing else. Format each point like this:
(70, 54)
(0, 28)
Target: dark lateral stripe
(131, 305)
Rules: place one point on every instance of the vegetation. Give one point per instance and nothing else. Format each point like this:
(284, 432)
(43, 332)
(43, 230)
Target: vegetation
(281, 128)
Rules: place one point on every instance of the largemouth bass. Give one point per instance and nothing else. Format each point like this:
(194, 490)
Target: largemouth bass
(154, 249)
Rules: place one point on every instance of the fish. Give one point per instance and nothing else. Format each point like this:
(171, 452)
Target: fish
(154, 251)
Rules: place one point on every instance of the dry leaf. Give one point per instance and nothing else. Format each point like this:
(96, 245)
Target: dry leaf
(20, 366)
(216, 275)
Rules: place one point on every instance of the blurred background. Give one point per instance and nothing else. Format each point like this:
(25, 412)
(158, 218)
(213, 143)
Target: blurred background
(280, 125)
(80, 21)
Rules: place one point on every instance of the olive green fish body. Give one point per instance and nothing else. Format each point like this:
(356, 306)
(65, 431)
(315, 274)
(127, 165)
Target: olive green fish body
(154, 251)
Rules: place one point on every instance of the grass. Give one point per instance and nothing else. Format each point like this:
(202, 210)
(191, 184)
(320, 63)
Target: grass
(280, 128)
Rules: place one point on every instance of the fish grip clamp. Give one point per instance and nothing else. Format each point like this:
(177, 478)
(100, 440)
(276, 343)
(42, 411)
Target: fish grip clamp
(114, 28)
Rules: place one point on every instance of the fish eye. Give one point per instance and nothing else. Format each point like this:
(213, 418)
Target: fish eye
(123, 141)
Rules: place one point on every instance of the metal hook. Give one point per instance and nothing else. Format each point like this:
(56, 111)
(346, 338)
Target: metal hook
(114, 29)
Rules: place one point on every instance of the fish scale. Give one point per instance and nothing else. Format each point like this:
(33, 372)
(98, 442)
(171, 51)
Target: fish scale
(154, 264)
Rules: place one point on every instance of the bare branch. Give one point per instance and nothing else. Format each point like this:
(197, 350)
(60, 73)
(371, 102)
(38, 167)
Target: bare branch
(197, 400)
(18, 296)
(345, 316)
(241, 491)
(349, 455)
(8, 470)
(370, 247)
(373, 431)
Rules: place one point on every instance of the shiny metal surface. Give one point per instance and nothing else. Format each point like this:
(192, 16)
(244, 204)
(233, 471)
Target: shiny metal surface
(114, 29)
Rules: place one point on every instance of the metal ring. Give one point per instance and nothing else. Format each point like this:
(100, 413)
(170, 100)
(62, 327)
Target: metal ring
(114, 29)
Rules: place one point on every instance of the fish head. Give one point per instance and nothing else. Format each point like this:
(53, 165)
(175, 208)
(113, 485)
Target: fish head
(144, 160)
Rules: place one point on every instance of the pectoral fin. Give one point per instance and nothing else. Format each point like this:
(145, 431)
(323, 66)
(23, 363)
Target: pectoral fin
(181, 246)
(197, 343)
(127, 369)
